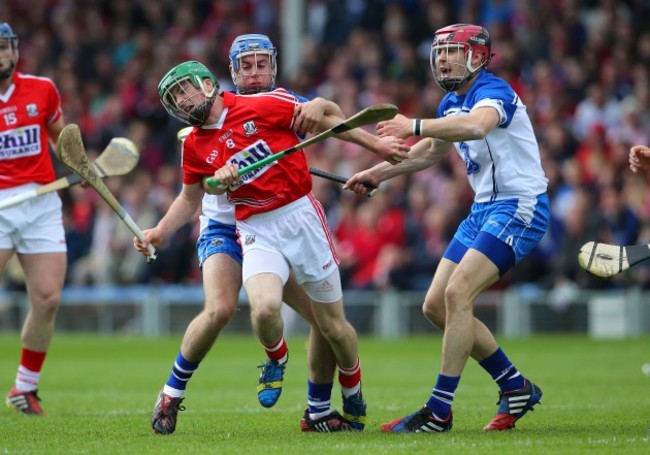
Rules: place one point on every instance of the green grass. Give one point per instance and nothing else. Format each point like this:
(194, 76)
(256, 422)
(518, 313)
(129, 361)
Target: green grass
(99, 392)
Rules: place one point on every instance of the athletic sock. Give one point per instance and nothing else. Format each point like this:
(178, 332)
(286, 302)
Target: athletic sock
(181, 373)
(319, 398)
(278, 351)
(350, 379)
(29, 370)
(503, 371)
(442, 396)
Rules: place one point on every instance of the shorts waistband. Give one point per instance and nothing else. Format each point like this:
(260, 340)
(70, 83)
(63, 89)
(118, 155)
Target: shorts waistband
(282, 212)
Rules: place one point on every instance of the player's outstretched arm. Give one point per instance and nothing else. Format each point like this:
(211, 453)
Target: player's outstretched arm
(393, 150)
(639, 158)
(470, 127)
(424, 154)
(309, 115)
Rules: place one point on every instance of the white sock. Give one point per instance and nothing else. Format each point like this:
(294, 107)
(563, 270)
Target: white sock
(172, 392)
(26, 380)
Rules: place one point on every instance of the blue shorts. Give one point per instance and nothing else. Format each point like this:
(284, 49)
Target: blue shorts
(505, 231)
(218, 238)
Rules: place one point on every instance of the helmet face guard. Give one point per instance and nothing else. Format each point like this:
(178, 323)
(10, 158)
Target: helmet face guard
(453, 55)
(252, 44)
(183, 93)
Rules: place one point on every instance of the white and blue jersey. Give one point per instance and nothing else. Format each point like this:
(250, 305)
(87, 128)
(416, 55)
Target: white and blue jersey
(504, 169)
(506, 163)
(217, 223)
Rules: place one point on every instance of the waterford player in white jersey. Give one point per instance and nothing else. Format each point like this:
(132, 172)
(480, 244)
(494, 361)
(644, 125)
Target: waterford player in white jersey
(487, 122)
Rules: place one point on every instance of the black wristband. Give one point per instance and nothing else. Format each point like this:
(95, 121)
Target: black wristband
(417, 127)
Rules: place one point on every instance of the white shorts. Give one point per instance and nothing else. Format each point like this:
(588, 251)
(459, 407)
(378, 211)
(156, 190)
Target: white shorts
(33, 226)
(296, 235)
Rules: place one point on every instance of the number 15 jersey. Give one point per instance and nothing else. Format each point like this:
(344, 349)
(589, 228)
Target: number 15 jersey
(26, 109)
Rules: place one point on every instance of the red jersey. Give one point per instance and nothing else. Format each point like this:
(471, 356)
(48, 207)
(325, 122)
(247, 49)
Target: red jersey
(30, 104)
(251, 128)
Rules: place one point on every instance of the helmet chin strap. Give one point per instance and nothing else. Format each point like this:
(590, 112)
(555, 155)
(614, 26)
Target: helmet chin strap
(471, 69)
(200, 113)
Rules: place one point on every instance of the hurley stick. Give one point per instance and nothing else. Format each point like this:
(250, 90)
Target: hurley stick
(72, 153)
(118, 158)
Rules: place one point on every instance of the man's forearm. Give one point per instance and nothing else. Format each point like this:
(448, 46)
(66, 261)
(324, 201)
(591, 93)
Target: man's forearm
(180, 212)
(422, 155)
(357, 135)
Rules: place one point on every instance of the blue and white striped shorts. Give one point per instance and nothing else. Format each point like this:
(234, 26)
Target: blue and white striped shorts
(518, 223)
(218, 238)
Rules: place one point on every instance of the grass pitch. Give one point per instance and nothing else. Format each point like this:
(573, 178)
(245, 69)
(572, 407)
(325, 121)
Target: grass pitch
(99, 391)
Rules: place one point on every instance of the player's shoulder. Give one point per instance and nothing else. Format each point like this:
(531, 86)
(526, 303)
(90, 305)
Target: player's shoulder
(486, 86)
(278, 93)
(34, 81)
(302, 99)
(491, 83)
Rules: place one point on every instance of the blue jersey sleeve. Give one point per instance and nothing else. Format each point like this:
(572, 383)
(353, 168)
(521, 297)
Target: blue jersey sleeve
(494, 88)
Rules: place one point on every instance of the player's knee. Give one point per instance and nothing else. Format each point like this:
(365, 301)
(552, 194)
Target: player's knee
(336, 332)
(264, 310)
(434, 311)
(46, 303)
(218, 317)
(457, 297)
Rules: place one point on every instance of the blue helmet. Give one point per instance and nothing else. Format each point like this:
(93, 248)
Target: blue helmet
(7, 33)
(252, 44)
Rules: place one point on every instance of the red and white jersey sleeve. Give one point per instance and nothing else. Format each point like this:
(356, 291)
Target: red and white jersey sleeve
(26, 109)
(251, 128)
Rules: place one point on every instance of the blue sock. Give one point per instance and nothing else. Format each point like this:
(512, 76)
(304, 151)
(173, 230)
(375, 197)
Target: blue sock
(503, 371)
(181, 373)
(319, 397)
(443, 396)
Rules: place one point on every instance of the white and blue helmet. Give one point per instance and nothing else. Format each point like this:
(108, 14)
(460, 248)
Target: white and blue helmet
(252, 44)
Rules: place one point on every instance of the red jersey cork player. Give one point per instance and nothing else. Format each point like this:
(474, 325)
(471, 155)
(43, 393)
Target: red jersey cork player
(30, 117)
(280, 225)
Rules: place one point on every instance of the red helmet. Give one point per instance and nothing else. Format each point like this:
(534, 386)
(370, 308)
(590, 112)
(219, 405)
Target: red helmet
(473, 40)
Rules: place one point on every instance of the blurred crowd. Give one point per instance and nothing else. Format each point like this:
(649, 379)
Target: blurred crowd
(581, 67)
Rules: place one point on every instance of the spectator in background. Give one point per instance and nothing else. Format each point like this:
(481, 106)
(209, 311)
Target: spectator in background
(594, 155)
(368, 242)
(598, 110)
(618, 224)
